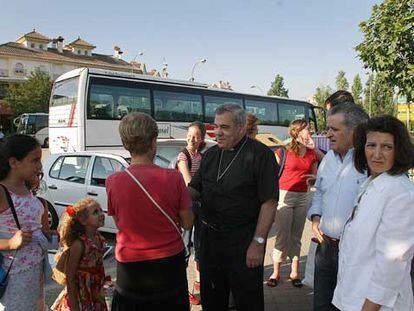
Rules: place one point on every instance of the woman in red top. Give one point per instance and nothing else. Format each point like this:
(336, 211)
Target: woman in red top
(151, 268)
(301, 162)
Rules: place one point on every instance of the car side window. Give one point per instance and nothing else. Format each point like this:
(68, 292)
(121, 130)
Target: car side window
(102, 168)
(54, 171)
(71, 168)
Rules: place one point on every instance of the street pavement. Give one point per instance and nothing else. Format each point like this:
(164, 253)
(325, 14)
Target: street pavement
(284, 297)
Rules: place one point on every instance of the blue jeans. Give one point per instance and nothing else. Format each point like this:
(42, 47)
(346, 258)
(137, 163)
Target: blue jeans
(326, 270)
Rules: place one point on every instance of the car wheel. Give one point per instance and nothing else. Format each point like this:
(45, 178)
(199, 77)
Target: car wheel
(46, 143)
(53, 217)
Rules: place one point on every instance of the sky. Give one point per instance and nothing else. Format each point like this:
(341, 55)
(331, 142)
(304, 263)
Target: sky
(245, 42)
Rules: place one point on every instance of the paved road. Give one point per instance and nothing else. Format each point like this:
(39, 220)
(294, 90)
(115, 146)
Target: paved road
(284, 297)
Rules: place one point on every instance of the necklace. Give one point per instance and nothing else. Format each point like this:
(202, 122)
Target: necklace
(220, 176)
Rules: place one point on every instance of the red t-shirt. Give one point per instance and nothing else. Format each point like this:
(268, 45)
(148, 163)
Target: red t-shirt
(144, 232)
(295, 168)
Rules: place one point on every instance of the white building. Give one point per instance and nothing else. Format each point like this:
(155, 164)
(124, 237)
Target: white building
(34, 51)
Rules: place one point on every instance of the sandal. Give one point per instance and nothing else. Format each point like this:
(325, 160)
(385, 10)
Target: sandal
(297, 283)
(272, 282)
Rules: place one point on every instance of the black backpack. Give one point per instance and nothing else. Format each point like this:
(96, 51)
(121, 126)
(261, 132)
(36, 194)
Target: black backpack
(282, 158)
(173, 163)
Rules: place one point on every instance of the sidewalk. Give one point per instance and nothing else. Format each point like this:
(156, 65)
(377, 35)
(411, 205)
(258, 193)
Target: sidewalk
(284, 297)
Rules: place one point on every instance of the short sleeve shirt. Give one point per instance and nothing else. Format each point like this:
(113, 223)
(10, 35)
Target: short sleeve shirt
(295, 167)
(144, 233)
(251, 179)
(195, 161)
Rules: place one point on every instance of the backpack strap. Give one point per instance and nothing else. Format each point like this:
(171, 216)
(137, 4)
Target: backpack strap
(281, 152)
(11, 205)
(188, 156)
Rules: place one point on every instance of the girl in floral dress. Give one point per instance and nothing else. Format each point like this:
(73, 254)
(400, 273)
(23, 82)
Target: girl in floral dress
(85, 275)
(20, 161)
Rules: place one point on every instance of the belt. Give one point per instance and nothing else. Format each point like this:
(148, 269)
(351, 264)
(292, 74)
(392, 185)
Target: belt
(331, 241)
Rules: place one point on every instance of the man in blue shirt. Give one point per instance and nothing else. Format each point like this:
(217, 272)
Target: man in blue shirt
(337, 184)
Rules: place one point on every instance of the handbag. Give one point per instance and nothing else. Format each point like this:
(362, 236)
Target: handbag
(4, 281)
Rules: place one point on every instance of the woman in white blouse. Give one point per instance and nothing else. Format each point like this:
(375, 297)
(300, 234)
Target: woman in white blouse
(377, 243)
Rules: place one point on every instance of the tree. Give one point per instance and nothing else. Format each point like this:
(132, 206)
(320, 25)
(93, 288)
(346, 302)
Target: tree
(277, 87)
(322, 93)
(378, 96)
(357, 90)
(31, 95)
(341, 81)
(388, 46)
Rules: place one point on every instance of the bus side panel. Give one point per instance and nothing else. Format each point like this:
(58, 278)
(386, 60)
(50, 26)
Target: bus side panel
(102, 133)
(63, 127)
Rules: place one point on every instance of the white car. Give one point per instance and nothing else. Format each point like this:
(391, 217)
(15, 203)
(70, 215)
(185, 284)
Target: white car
(69, 177)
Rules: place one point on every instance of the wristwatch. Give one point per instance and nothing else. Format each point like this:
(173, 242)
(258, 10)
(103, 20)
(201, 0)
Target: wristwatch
(259, 240)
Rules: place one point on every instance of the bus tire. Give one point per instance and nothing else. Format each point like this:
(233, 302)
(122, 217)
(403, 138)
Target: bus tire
(46, 143)
(52, 216)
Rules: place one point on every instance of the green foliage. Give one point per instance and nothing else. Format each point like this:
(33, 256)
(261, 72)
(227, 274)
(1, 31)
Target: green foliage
(277, 87)
(31, 95)
(322, 93)
(378, 96)
(388, 46)
(357, 90)
(341, 81)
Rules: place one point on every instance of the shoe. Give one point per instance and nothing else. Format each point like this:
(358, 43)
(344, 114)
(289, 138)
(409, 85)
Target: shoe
(297, 283)
(197, 286)
(193, 299)
(272, 282)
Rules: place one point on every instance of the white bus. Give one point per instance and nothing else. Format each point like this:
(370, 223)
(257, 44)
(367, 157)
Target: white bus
(87, 105)
(35, 125)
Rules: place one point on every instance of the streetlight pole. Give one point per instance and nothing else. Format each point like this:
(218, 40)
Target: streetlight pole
(201, 61)
(133, 61)
(257, 87)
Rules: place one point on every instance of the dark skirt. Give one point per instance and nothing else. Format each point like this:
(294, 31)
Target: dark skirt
(159, 284)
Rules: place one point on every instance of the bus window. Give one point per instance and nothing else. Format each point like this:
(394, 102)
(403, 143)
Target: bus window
(65, 92)
(174, 106)
(266, 112)
(111, 102)
(290, 112)
(213, 102)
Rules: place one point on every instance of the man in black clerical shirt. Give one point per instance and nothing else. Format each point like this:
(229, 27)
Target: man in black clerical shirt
(237, 184)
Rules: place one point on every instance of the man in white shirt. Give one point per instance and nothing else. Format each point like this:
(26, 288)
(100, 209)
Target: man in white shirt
(337, 183)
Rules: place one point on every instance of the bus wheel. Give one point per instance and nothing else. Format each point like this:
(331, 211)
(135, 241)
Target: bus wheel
(52, 217)
(46, 143)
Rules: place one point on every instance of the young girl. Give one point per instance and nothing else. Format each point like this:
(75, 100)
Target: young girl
(20, 161)
(85, 275)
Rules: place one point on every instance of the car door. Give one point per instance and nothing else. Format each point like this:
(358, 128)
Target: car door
(67, 180)
(104, 166)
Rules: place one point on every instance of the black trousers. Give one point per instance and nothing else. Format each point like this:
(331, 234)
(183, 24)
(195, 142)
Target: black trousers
(223, 269)
(326, 270)
(159, 284)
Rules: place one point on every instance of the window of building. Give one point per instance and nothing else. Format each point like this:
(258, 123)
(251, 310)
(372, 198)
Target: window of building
(40, 46)
(32, 45)
(79, 52)
(85, 52)
(175, 106)
(19, 68)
